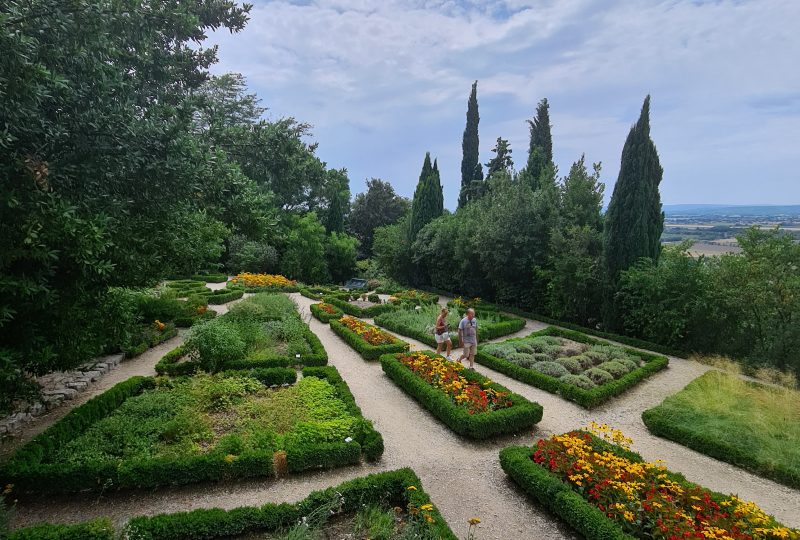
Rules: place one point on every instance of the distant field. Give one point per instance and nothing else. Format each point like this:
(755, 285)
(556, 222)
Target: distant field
(710, 249)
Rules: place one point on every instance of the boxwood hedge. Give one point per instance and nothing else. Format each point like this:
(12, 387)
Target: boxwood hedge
(223, 296)
(386, 489)
(30, 472)
(366, 350)
(323, 315)
(211, 278)
(355, 311)
(507, 325)
(521, 415)
(585, 398)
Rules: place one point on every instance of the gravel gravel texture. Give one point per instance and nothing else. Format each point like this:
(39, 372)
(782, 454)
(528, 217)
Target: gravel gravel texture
(463, 477)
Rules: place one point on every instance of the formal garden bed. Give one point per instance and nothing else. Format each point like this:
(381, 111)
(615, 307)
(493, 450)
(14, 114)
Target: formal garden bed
(318, 292)
(357, 308)
(368, 340)
(462, 303)
(465, 401)
(413, 297)
(575, 366)
(263, 330)
(325, 312)
(750, 425)
(196, 290)
(254, 283)
(418, 323)
(604, 490)
(147, 432)
(387, 505)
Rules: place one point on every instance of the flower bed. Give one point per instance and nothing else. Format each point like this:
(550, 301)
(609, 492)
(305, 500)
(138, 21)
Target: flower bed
(326, 312)
(147, 432)
(461, 303)
(369, 341)
(467, 402)
(319, 292)
(588, 371)
(398, 491)
(264, 282)
(604, 490)
(744, 423)
(356, 311)
(418, 323)
(413, 297)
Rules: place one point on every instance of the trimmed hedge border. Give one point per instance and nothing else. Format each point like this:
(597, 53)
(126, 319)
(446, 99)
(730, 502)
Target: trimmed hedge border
(324, 316)
(223, 296)
(355, 311)
(211, 278)
(133, 351)
(522, 414)
(28, 474)
(584, 398)
(625, 340)
(366, 350)
(273, 288)
(659, 423)
(508, 325)
(96, 529)
(318, 293)
(558, 497)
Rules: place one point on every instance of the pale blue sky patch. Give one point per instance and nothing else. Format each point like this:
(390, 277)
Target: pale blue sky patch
(385, 81)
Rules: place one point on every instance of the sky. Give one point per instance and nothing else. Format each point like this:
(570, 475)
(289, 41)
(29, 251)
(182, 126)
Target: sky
(384, 81)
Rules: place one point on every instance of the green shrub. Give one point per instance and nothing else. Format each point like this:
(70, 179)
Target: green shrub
(553, 369)
(522, 414)
(581, 381)
(521, 359)
(616, 369)
(355, 311)
(572, 364)
(98, 529)
(324, 316)
(223, 296)
(211, 278)
(215, 343)
(599, 376)
(374, 298)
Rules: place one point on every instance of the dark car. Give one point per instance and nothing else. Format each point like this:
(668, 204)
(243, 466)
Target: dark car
(355, 283)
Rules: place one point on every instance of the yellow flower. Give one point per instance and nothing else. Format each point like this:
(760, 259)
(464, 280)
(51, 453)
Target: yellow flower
(230, 458)
(412, 488)
(427, 507)
(474, 521)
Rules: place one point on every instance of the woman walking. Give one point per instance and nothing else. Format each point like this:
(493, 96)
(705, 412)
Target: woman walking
(442, 333)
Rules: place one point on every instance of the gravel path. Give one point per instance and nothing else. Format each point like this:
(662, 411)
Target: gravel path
(463, 477)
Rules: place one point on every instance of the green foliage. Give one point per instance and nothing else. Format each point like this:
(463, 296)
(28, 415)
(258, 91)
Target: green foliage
(324, 316)
(634, 220)
(340, 255)
(604, 386)
(378, 207)
(365, 349)
(501, 164)
(539, 168)
(338, 186)
(428, 202)
(215, 343)
(470, 160)
(246, 255)
(147, 432)
(747, 424)
(522, 414)
(304, 258)
(98, 529)
(356, 311)
(197, 241)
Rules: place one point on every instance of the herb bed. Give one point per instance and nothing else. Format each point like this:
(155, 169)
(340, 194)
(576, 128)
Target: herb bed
(147, 432)
(513, 413)
(606, 387)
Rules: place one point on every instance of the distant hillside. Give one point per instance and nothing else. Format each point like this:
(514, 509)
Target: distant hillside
(673, 210)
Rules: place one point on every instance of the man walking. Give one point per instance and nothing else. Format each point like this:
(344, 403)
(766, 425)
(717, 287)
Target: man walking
(468, 337)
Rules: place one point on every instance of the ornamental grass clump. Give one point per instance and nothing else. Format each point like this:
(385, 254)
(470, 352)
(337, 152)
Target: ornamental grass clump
(644, 499)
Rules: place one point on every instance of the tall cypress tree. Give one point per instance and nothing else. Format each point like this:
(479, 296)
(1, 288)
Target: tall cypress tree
(428, 202)
(469, 148)
(634, 220)
(540, 150)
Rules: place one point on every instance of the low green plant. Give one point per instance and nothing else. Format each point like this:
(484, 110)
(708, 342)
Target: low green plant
(747, 424)
(214, 343)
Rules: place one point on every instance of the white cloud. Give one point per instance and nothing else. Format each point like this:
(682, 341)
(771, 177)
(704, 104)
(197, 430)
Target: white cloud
(383, 81)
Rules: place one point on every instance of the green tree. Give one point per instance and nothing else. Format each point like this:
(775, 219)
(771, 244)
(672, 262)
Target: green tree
(340, 254)
(338, 185)
(392, 250)
(304, 256)
(634, 221)
(582, 196)
(223, 102)
(540, 165)
(377, 207)
(470, 160)
(501, 162)
(428, 202)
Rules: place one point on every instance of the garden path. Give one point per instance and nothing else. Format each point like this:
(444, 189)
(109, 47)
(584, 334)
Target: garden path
(463, 477)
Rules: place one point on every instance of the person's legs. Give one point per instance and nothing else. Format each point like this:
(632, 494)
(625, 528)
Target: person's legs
(469, 353)
(449, 347)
